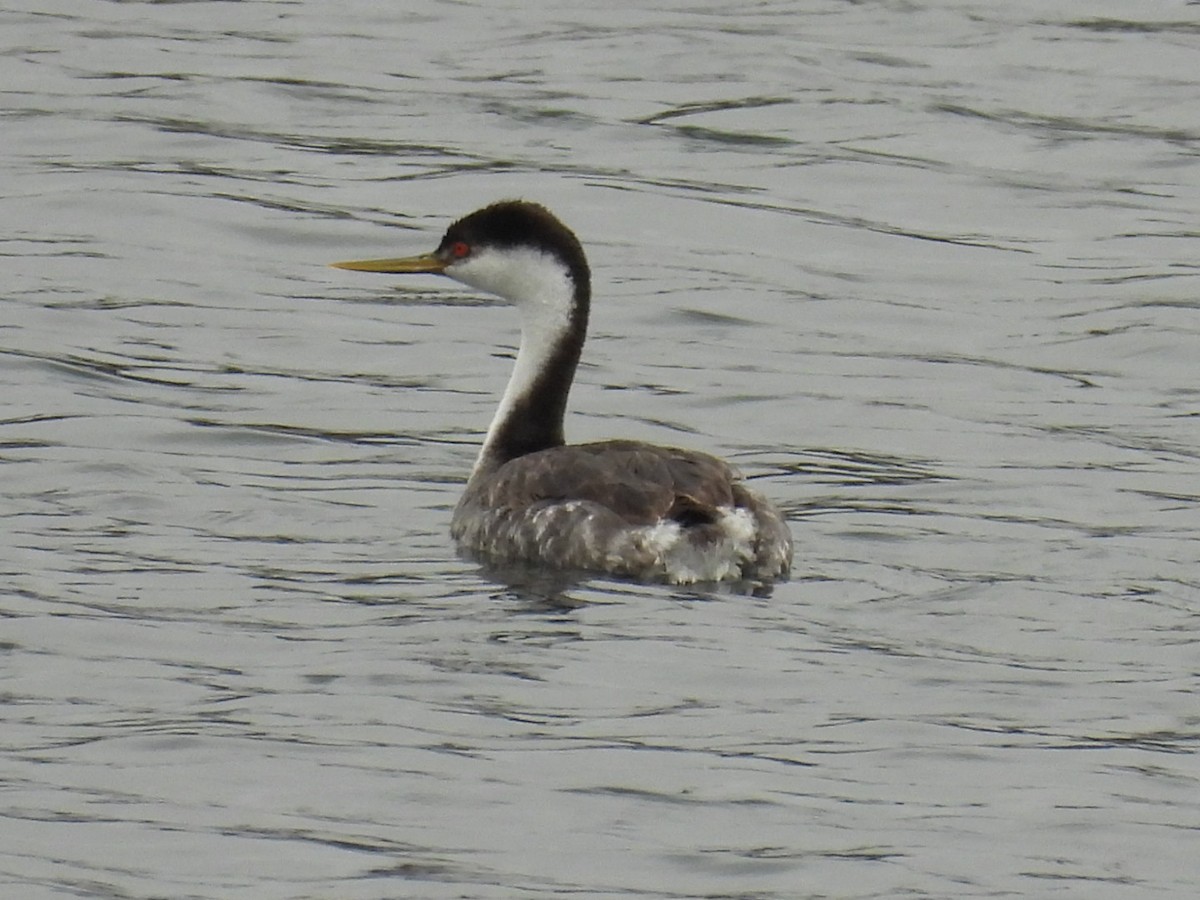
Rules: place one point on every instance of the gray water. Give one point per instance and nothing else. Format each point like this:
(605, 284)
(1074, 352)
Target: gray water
(926, 271)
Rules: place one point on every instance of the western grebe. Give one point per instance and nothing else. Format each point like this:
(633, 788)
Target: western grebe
(621, 507)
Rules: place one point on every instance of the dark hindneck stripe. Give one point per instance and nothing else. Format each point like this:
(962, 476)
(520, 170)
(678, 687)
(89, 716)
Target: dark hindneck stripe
(535, 420)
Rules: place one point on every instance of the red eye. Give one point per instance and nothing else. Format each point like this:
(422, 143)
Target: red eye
(460, 249)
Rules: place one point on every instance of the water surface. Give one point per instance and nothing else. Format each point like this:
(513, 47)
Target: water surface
(926, 272)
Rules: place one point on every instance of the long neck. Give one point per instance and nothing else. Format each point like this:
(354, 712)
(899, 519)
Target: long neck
(554, 315)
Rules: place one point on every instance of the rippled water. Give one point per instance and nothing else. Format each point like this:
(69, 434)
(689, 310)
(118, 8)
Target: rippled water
(926, 271)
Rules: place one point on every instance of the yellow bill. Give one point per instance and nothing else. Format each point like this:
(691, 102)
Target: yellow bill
(426, 262)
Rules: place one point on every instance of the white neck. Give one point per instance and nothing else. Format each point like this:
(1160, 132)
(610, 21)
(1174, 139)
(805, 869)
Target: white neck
(541, 289)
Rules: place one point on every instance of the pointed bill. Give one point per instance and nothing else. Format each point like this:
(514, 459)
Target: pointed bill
(427, 262)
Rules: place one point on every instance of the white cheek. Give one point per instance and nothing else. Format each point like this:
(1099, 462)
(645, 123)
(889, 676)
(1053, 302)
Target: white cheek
(520, 276)
(477, 271)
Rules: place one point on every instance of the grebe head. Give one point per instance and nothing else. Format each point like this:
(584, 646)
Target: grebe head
(514, 249)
